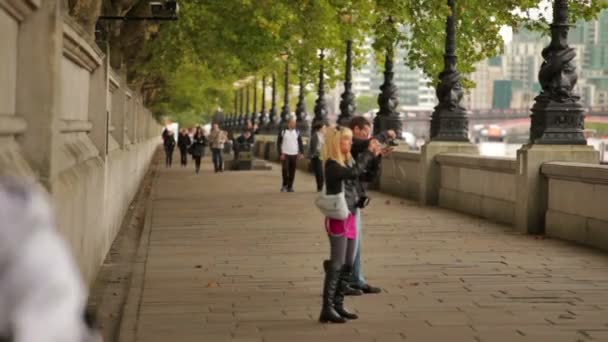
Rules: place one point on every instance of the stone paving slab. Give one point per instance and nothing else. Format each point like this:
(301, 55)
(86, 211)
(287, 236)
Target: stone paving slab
(232, 259)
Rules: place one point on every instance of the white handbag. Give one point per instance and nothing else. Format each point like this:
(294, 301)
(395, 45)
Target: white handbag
(333, 206)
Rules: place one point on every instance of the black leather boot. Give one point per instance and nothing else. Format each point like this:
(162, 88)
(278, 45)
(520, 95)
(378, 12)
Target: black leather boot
(328, 312)
(345, 274)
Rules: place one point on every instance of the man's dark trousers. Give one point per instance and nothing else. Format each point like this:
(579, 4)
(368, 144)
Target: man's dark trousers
(289, 170)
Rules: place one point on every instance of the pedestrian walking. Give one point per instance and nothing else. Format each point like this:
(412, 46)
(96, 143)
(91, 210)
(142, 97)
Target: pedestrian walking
(317, 140)
(291, 149)
(183, 142)
(218, 140)
(199, 142)
(169, 144)
(342, 174)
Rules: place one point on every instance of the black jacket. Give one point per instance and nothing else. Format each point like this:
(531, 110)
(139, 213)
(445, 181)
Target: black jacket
(169, 142)
(244, 144)
(198, 146)
(280, 141)
(183, 141)
(373, 171)
(335, 174)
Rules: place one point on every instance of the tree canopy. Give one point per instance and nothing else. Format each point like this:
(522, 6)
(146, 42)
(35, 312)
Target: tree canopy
(189, 67)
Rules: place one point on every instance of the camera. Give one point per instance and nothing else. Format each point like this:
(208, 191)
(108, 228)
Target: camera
(164, 8)
(363, 202)
(156, 7)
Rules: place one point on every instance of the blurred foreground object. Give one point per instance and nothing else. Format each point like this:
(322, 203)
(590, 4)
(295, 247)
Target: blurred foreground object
(42, 295)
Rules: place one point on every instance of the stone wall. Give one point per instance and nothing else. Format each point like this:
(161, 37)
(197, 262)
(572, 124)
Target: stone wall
(401, 174)
(577, 202)
(68, 121)
(477, 185)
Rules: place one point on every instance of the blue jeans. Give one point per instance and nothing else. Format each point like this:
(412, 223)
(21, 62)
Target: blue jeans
(358, 277)
(218, 162)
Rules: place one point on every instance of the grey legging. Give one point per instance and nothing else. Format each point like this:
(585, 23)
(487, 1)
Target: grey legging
(342, 251)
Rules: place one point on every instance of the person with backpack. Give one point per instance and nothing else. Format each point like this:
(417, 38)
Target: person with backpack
(169, 144)
(291, 149)
(183, 142)
(317, 140)
(199, 142)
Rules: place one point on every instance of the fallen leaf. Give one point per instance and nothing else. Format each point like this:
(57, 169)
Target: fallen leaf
(212, 284)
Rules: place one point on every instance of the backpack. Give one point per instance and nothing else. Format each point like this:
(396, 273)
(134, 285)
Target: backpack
(283, 132)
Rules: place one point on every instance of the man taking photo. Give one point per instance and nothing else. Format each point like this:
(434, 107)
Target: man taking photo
(362, 129)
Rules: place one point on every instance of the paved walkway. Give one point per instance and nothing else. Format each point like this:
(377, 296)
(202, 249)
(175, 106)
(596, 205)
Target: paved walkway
(232, 259)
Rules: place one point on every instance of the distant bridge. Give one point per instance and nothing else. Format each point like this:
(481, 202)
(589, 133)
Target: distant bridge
(513, 120)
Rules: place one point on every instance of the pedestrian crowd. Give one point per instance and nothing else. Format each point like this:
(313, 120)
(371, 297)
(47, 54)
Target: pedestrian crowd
(195, 141)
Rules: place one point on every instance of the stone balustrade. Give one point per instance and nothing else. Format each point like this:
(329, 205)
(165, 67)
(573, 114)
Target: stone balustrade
(478, 185)
(576, 202)
(71, 123)
(488, 187)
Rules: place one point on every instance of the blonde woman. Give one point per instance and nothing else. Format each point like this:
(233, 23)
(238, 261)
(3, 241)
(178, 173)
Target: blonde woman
(341, 172)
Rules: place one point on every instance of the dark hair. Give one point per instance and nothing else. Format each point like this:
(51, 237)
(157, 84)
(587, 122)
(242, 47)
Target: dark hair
(199, 129)
(359, 122)
(318, 125)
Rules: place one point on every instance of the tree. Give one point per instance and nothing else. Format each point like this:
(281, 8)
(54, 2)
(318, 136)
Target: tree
(365, 103)
(190, 65)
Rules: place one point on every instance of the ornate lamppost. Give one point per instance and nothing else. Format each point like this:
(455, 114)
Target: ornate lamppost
(236, 109)
(240, 119)
(263, 121)
(285, 112)
(247, 116)
(557, 113)
(272, 124)
(347, 104)
(449, 120)
(388, 100)
(320, 104)
(301, 115)
(254, 114)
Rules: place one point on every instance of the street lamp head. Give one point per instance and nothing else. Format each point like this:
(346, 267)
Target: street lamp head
(321, 53)
(285, 55)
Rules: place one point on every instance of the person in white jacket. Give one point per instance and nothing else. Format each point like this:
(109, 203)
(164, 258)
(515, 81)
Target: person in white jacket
(42, 295)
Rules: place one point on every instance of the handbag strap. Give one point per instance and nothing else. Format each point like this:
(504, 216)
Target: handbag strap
(324, 191)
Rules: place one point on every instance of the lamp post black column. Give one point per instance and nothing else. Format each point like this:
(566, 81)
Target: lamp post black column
(254, 113)
(320, 104)
(449, 120)
(557, 114)
(247, 115)
(272, 124)
(301, 115)
(285, 111)
(239, 125)
(236, 108)
(388, 100)
(347, 104)
(263, 121)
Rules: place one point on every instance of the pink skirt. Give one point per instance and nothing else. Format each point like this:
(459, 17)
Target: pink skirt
(346, 227)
